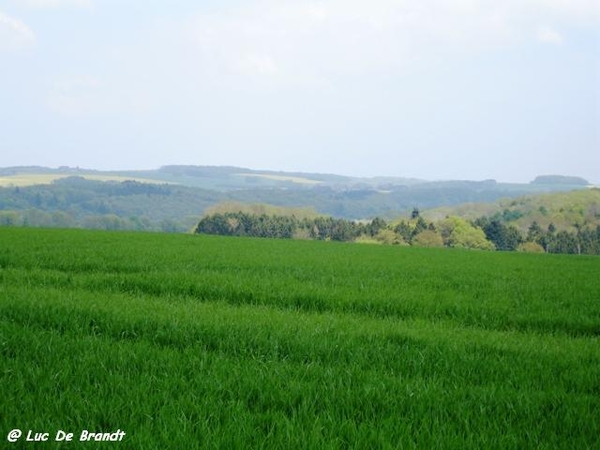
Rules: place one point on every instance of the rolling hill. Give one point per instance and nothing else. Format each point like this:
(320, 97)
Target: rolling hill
(173, 198)
(565, 210)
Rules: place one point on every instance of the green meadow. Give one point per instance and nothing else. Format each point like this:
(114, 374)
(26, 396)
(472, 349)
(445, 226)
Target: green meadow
(195, 341)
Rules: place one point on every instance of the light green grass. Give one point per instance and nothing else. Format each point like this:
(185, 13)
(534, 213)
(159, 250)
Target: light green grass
(210, 342)
(293, 179)
(32, 179)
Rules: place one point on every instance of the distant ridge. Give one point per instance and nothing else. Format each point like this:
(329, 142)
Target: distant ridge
(560, 179)
(175, 197)
(190, 174)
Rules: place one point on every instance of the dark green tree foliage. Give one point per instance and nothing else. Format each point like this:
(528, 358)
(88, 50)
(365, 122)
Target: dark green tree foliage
(504, 237)
(539, 236)
(243, 224)
(564, 242)
(584, 241)
(535, 232)
(376, 225)
(512, 238)
(594, 239)
(509, 216)
(421, 225)
(215, 224)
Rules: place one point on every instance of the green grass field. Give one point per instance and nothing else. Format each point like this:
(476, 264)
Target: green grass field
(189, 341)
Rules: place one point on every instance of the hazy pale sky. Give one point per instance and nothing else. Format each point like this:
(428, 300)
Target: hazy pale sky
(434, 89)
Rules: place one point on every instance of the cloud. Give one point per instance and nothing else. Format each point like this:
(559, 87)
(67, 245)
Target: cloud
(90, 95)
(53, 4)
(14, 33)
(547, 35)
(77, 95)
(292, 41)
(255, 64)
(578, 11)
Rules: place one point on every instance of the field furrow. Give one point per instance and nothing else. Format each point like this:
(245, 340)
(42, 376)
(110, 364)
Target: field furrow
(207, 342)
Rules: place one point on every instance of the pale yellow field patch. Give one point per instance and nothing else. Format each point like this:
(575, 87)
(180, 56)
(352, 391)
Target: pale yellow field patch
(299, 180)
(31, 179)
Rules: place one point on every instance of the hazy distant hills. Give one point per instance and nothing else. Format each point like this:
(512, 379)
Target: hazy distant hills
(172, 198)
(226, 178)
(220, 178)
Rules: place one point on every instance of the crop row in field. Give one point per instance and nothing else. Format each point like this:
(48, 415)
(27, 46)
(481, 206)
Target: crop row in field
(209, 342)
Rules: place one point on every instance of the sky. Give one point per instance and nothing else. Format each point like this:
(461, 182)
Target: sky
(431, 89)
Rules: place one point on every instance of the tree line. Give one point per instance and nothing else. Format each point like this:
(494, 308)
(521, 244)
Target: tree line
(583, 240)
(483, 233)
(281, 226)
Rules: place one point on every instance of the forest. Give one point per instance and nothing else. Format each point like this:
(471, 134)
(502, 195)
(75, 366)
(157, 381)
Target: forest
(174, 198)
(468, 214)
(484, 233)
